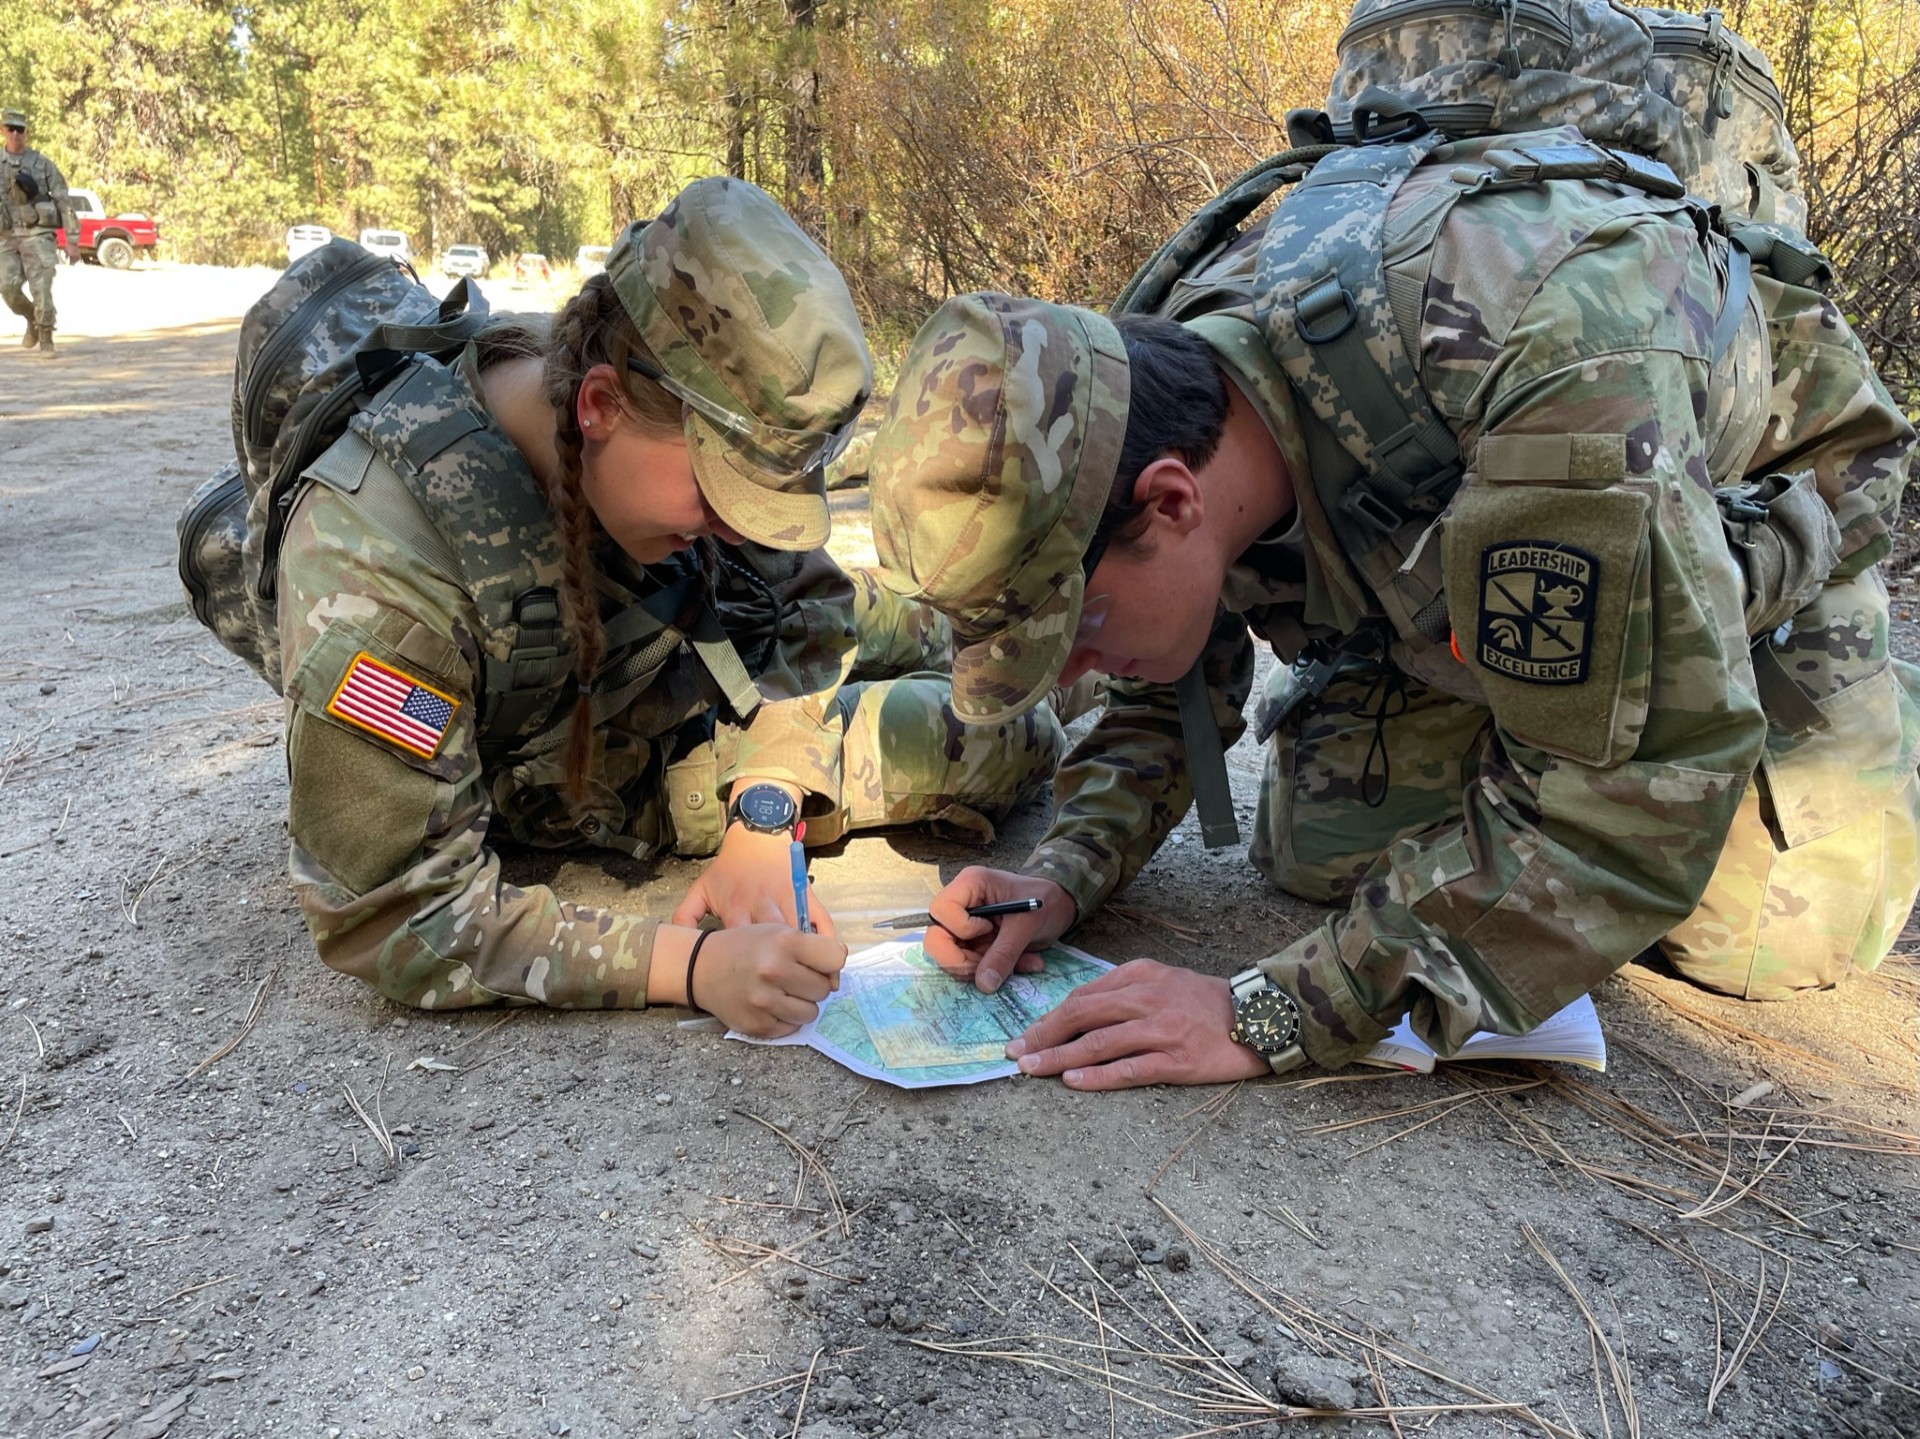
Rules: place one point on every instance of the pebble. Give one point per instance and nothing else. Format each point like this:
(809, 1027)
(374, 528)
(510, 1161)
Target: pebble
(418, 1371)
(663, 1098)
(684, 1416)
(646, 1251)
(558, 1426)
(87, 1345)
(40, 1224)
(1179, 1259)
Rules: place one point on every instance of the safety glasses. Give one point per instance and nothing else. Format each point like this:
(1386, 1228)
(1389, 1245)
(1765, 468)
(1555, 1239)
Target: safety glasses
(800, 451)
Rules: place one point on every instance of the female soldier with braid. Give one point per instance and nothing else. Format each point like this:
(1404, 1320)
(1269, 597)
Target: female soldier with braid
(659, 454)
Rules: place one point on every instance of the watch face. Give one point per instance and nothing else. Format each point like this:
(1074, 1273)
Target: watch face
(1266, 1020)
(763, 807)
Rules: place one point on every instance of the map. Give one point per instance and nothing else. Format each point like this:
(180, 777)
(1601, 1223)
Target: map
(899, 1018)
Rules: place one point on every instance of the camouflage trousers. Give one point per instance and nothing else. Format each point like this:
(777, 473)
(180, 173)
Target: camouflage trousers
(27, 262)
(1792, 903)
(905, 759)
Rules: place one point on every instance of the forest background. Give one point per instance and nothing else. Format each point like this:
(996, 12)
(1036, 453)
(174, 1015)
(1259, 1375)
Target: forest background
(935, 146)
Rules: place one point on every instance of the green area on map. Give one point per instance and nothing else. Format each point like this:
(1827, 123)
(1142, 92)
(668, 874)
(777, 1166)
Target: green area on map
(916, 1016)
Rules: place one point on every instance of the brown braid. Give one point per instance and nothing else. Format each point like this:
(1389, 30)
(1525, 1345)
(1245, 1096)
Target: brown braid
(593, 329)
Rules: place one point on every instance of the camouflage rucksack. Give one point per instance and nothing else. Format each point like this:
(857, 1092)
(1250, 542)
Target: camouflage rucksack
(1681, 88)
(334, 330)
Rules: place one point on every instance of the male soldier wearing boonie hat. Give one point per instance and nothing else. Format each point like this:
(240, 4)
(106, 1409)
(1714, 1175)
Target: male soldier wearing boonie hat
(33, 202)
(642, 480)
(1598, 708)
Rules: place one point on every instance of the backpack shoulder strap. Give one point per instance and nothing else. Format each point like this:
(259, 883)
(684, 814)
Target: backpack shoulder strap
(442, 477)
(1325, 308)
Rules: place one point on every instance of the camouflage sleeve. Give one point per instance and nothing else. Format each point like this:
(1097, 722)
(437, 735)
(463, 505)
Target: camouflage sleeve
(1125, 786)
(1835, 418)
(389, 855)
(57, 189)
(810, 645)
(1590, 591)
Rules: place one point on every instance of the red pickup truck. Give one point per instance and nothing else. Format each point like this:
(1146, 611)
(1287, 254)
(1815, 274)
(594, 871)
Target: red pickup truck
(109, 240)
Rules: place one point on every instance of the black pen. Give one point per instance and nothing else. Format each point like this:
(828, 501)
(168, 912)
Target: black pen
(978, 911)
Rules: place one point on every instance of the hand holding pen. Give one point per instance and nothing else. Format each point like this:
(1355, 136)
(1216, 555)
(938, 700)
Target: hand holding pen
(989, 923)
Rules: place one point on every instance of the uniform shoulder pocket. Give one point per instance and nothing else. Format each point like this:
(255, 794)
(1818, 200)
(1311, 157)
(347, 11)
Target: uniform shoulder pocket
(395, 684)
(1550, 597)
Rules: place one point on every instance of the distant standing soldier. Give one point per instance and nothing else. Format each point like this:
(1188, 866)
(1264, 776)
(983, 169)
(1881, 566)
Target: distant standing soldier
(33, 202)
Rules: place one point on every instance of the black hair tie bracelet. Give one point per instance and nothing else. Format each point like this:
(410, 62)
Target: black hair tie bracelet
(701, 938)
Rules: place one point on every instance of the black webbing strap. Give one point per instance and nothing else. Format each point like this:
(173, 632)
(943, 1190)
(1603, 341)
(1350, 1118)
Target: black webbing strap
(1206, 768)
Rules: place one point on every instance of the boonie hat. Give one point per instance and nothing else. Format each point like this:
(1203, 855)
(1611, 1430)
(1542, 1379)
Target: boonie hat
(752, 328)
(13, 117)
(989, 475)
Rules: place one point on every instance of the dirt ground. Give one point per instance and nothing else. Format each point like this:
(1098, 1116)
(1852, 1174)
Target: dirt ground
(607, 1224)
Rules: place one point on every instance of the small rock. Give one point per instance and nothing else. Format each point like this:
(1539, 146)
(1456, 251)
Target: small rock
(485, 1121)
(558, 1426)
(1307, 1382)
(1179, 1259)
(224, 1376)
(419, 1371)
(646, 1251)
(663, 1098)
(47, 689)
(40, 1224)
(87, 1345)
(684, 1416)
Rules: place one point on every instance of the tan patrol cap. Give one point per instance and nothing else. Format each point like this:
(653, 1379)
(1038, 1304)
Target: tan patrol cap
(754, 330)
(989, 475)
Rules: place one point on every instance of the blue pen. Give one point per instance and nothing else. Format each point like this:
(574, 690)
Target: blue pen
(798, 852)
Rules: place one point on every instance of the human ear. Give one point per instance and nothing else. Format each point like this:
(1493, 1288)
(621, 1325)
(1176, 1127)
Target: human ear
(597, 406)
(1168, 493)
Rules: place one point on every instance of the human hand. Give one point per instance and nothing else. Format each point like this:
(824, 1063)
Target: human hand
(763, 979)
(1143, 1023)
(750, 882)
(988, 950)
(73, 254)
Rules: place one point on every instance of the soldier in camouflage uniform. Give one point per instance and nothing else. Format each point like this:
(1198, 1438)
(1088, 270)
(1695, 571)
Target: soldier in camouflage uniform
(33, 202)
(670, 429)
(1577, 763)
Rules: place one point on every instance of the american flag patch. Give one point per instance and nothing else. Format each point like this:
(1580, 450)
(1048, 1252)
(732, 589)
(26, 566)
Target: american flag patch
(382, 701)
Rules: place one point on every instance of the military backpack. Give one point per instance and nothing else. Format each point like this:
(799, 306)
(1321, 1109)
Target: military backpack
(1677, 87)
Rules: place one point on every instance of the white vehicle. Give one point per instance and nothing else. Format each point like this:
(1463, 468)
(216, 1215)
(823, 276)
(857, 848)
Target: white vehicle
(590, 259)
(465, 260)
(391, 243)
(305, 239)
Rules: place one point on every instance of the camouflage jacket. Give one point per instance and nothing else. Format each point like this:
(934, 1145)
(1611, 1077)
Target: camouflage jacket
(1589, 423)
(390, 812)
(49, 206)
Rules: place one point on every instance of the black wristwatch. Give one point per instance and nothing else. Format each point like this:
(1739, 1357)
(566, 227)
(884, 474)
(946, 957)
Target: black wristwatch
(764, 809)
(1266, 1020)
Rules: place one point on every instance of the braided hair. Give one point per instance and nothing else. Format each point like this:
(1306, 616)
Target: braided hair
(593, 329)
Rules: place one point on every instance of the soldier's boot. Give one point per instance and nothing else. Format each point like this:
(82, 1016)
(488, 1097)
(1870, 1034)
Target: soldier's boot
(31, 338)
(46, 342)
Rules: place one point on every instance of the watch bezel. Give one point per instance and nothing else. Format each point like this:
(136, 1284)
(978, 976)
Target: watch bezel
(761, 823)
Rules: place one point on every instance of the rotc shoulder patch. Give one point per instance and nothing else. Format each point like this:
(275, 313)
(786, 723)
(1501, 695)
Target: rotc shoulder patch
(393, 705)
(1536, 611)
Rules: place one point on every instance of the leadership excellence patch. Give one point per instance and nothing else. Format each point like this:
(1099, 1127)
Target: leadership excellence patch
(1536, 611)
(383, 701)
